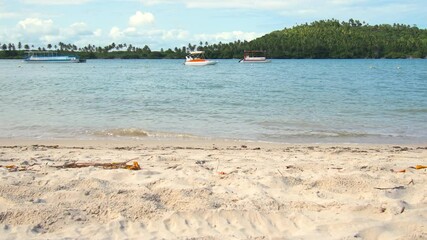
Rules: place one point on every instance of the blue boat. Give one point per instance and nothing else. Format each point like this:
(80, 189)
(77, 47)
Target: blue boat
(51, 57)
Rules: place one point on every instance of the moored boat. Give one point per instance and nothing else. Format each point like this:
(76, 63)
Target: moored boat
(255, 56)
(51, 57)
(197, 58)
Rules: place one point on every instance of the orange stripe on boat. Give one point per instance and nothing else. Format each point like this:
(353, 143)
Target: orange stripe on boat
(197, 60)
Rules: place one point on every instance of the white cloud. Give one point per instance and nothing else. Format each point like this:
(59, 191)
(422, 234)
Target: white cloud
(140, 19)
(41, 32)
(37, 26)
(130, 30)
(347, 2)
(228, 36)
(115, 33)
(253, 4)
(175, 34)
(79, 28)
(156, 2)
(264, 4)
(55, 2)
(97, 32)
(128, 33)
(371, 11)
(310, 10)
(51, 39)
(4, 15)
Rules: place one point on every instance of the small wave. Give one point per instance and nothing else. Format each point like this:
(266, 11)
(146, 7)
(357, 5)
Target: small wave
(337, 134)
(171, 135)
(333, 137)
(121, 132)
(138, 133)
(320, 134)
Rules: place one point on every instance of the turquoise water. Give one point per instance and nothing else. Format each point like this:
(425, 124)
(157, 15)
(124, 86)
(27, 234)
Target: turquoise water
(378, 101)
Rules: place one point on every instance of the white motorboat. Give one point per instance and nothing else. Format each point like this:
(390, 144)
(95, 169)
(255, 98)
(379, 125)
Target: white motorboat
(197, 58)
(255, 56)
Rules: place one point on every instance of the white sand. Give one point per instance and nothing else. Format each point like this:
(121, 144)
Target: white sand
(212, 190)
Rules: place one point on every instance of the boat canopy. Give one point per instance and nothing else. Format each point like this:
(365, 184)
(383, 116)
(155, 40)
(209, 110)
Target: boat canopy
(40, 53)
(197, 52)
(255, 52)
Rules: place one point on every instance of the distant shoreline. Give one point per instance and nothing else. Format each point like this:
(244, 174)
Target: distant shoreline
(111, 58)
(323, 39)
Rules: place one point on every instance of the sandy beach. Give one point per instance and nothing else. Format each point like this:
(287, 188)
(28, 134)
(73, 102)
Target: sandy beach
(75, 189)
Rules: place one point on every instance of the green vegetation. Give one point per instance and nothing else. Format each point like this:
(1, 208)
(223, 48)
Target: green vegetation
(352, 39)
(320, 39)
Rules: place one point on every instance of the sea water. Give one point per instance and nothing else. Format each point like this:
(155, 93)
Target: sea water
(374, 101)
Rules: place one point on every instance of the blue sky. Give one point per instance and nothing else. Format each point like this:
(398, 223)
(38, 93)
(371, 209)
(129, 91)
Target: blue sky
(175, 23)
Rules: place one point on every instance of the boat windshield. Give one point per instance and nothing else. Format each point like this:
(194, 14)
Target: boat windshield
(196, 55)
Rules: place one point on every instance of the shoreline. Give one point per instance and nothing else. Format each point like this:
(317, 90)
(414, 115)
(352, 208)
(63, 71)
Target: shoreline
(207, 143)
(211, 190)
(200, 143)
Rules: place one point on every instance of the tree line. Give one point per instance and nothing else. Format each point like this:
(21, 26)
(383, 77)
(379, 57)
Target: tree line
(319, 39)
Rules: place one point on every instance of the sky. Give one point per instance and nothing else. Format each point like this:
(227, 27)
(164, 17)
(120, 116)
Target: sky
(175, 23)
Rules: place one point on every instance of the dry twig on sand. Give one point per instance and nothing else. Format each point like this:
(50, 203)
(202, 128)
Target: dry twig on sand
(119, 165)
(390, 188)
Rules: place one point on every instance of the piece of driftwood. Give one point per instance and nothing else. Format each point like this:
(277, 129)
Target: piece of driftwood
(390, 188)
(419, 167)
(14, 168)
(119, 165)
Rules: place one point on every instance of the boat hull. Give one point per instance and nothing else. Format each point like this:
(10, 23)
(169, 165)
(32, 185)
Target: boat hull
(200, 63)
(255, 61)
(53, 59)
(254, 56)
